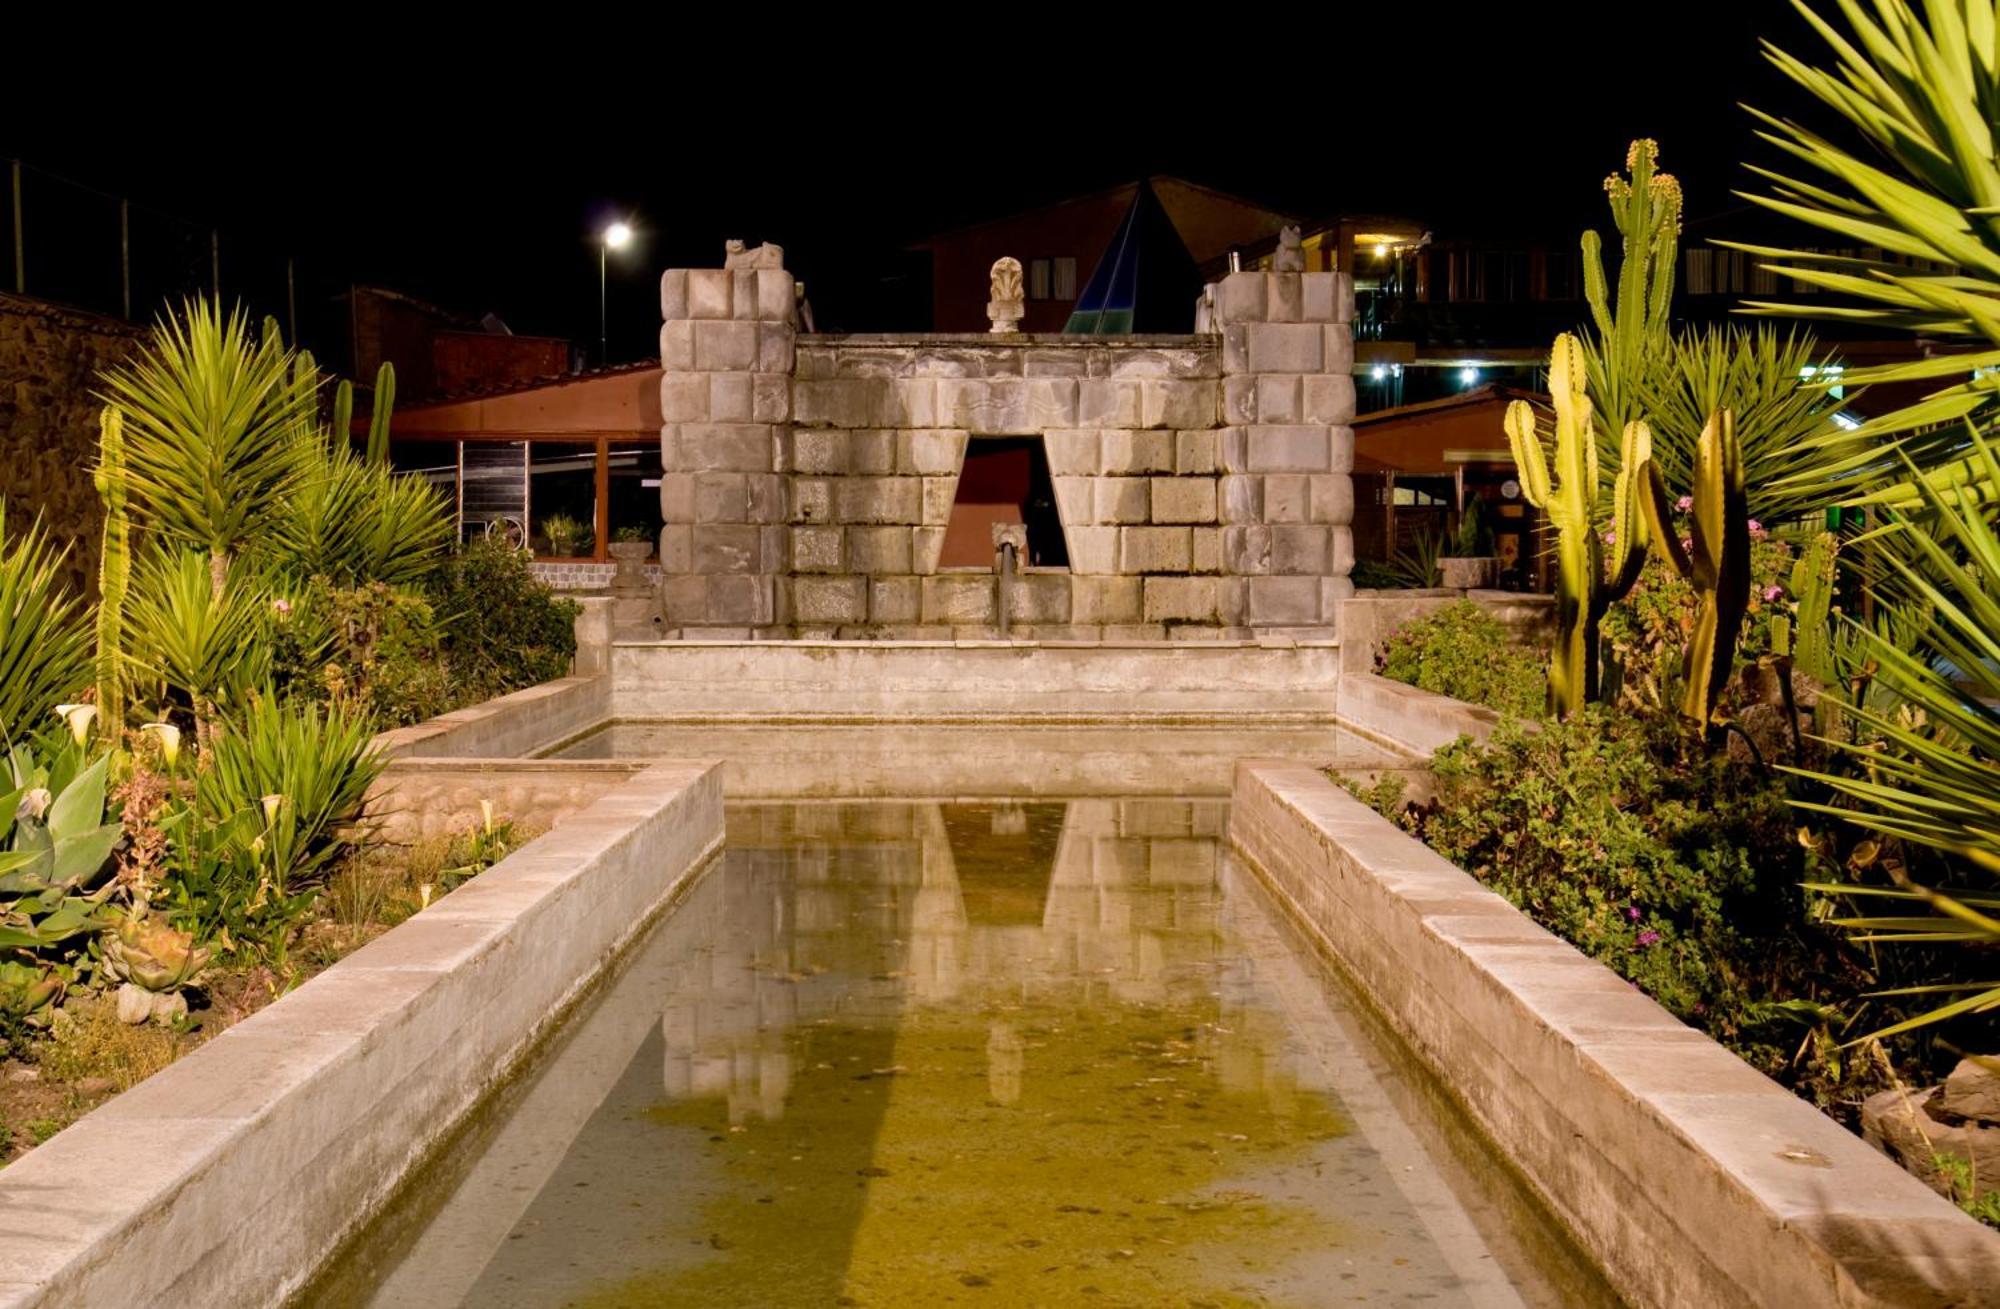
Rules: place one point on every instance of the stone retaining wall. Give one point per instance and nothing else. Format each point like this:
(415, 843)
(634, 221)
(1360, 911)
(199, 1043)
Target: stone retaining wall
(1691, 1178)
(1202, 481)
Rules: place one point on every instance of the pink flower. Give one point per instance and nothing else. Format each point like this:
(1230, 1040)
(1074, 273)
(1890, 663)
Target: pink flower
(1773, 593)
(1649, 937)
(1610, 536)
(1632, 912)
(1756, 530)
(282, 608)
(1685, 504)
(1687, 545)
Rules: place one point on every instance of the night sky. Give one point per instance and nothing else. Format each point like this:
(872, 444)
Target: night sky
(474, 177)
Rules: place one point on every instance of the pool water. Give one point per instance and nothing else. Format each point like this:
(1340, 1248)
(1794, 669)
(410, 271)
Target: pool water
(1045, 1053)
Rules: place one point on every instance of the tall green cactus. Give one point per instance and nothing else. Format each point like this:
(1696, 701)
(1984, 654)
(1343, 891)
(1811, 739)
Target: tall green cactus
(1813, 575)
(114, 571)
(1716, 560)
(1570, 500)
(343, 411)
(1634, 332)
(378, 419)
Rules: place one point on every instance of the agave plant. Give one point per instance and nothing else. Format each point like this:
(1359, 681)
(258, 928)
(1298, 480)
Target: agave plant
(44, 632)
(209, 418)
(1927, 758)
(196, 639)
(1924, 94)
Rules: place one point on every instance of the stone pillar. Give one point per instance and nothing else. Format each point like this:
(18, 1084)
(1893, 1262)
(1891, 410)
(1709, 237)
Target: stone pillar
(725, 401)
(1286, 453)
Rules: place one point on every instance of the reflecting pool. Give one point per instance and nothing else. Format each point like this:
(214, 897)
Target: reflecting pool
(1039, 1053)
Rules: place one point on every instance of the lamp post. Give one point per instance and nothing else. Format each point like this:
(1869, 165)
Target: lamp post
(615, 237)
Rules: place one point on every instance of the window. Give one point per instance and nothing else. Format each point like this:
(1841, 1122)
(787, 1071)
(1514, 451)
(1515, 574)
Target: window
(633, 470)
(1052, 279)
(562, 489)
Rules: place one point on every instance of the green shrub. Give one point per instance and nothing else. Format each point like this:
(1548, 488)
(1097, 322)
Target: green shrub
(503, 629)
(1464, 652)
(1676, 867)
(376, 647)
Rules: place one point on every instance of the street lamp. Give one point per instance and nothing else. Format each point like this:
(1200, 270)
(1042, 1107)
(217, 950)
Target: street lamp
(615, 237)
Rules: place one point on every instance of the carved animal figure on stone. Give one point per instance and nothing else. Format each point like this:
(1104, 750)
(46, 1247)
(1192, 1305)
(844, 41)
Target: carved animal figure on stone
(1291, 255)
(737, 255)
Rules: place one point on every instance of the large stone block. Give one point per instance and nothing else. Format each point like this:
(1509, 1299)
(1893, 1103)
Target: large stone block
(1286, 498)
(1305, 448)
(958, 599)
(894, 600)
(1194, 452)
(1092, 550)
(907, 402)
(1069, 361)
(1111, 402)
(673, 294)
(878, 500)
(1183, 499)
(1105, 600)
(878, 549)
(1181, 365)
(1004, 406)
(1332, 498)
(721, 498)
(710, 293)
(1076, 499)
(1326, 298)
(677, 346)
(1236, 350)
(684, 599)
(1039, 597)
(931, 452)
(834, 402)
(812, 500)
(677, 497)
(774, 297)
(1072, 452)
(1154, 550)
(1142, 451)
(767, 497)
(829, 600)
(1205, 550)
(1343, 450)
(1180, 600)
(749, 600)
(1328, 398)
(934, 499)
(1299, 549)
(818, 450)
(774, 348)
(1120, 500)
(871, 452)
(1240, 499)
(1278, 398)
(1283, 298)
(1239, 399)
(926, 546)
(1246, 550)
(1283, 601)
(1339, 349)
(770, 398)
(1242, 298)
(721, 345)
(1168, 403)
(684, 397)
(818, 550)
(721, 447)
(677, 548)
(729, 397)
(728, 548)
(1286, 347)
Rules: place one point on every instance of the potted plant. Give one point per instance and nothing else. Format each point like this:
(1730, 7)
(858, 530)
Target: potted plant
(631, 546)
(563, 533)
(1468, 562)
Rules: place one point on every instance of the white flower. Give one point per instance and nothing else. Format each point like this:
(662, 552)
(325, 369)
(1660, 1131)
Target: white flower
(169, 738)
(78, 717)
(486, 814)
(35, 803)
(272, 803)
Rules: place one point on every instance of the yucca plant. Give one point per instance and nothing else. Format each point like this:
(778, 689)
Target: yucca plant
(209, 414)
(1926, 762)
(352, 520)
(1924, 94)
(44, 632)
(199, 646)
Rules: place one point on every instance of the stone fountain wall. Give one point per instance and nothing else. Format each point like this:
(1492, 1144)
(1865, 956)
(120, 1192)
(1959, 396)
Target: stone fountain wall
(1202, 481)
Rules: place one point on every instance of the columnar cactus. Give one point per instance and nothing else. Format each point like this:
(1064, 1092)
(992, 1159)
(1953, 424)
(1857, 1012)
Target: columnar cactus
(378, 420)
(1570, 500)
(1646, 207)
(1812, 580)
(1715, 561)
(114, 570)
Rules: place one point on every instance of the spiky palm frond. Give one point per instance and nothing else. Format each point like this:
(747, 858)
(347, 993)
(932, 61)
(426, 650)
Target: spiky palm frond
(1926, 766)
(186, 637)
(209, 414)
(352, 520)
(44, 632)
(1924, 92)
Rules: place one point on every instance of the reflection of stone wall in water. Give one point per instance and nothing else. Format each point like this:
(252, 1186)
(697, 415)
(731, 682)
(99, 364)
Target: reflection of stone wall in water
(1202, 482)
(862, 915)
(50, 359)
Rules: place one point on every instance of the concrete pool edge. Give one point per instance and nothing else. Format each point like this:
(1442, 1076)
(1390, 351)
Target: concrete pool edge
(1689, 1175)
(227, 1178)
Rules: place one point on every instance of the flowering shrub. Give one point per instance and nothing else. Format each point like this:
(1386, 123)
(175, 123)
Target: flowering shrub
(1464, 652)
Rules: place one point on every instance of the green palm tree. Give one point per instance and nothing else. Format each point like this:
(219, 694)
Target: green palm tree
(209, 416)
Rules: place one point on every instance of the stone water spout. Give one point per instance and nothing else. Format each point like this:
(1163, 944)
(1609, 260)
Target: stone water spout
(1010, 542)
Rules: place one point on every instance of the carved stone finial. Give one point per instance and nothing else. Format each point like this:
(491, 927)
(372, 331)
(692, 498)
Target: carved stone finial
(1291, 256)
(1005, 303)
(736, 255)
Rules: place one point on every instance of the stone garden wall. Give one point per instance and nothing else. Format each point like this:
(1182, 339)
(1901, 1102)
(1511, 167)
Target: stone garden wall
(1202, 481)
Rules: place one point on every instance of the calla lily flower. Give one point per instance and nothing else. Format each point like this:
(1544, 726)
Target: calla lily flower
(169, 738)
(78, 718)
(272, 803)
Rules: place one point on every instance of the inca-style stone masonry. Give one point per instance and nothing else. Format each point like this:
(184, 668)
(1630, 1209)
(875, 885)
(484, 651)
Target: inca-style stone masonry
(1202, 481)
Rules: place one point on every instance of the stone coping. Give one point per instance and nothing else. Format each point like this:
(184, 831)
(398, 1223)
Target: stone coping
(1260, 643)
(1018, 340)
(519, 723)
(1419, 721)
(226, 1178)
(1692, 1178)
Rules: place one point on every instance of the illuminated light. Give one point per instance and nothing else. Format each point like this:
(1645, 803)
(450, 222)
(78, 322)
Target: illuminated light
(1846, 422)
(1381, 250)
(1377, 373)
(1468, 376)
(618, 236)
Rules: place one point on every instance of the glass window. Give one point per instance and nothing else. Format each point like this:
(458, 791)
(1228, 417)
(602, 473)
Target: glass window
(562, 499)
(634, 473)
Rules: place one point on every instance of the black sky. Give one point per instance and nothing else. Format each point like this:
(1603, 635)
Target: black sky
(473, 171)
